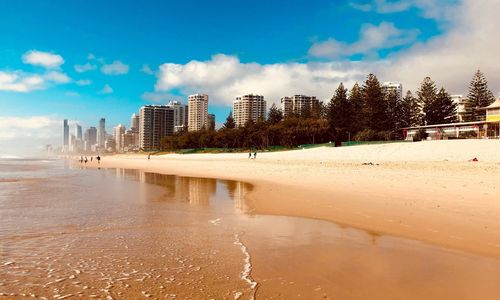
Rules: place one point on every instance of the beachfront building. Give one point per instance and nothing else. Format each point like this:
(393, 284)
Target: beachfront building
(118, 132)
(155, 123)
(180, 115)
(390, 86)
(134, 122)
(461, 103)
(300, 105)
(197, 112)
(130, 140)
(65, 135)
(489, 128)
(249, 108)
(101, 132)
(89, 138)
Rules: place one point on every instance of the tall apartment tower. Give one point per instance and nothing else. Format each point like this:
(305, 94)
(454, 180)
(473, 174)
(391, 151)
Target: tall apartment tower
(118, 132)
(65, 135)
(299, 105)
(78, 132)
(249, 107)
(211, 122)
(197, 112)
(155, 123)
(90, 137)
(134, 122)
(389, 86)
(101, 132)
(180, 115)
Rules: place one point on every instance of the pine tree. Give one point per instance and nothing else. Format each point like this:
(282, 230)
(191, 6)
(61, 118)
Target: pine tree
(479, 96)
(340, 112)
(275, 115)
(356, 100)
(229, 124)
(411, 111)
(375, 106)
(394, 113)
(445, 110)
(426, 98)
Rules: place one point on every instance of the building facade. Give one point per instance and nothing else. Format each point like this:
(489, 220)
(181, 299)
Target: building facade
(461, 103)
(118, 132)
(155, 123)
(390, 86)
(134, 122)
(65, 135)
(101, 132)
(180, 115)
(90, 138)
(249, 108)
(211, 122)
(300, 105)
(197, 112)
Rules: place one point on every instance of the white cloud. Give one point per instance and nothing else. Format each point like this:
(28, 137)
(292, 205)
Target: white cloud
(57, 77)
(115, 68)
(372, 39)
(158, 96)
(450, 59)
(83, 82)
(28, 135)
(72, 94)
(432, 9)
(90, 56)
(44, 59)
(107, 89)
(147, 70)
(85, 67)
(224, 77)
(18, 81)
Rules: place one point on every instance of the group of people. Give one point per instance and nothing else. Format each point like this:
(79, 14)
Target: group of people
(85, 160)
(254, 155)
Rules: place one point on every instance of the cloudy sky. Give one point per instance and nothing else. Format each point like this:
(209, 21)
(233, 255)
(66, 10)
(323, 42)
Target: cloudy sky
(83, 60)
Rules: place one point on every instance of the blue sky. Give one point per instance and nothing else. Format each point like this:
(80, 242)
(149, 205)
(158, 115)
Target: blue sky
(151, 51)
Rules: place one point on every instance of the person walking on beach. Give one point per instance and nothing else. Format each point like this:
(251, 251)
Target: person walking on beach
(149, 156)
(98, 159)
(81, 159)
(91, 158)
(249, 154)
(255, 155)
(86, 160)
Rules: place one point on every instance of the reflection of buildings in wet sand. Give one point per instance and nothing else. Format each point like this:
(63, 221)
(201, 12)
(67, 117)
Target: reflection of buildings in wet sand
(237, 192)
(200, 190)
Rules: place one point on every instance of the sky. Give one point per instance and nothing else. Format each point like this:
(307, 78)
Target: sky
(83, 60)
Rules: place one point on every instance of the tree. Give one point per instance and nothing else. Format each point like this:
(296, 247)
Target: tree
(411, 112)
(274, 116)
(340, 112)
(445, 110)
(426, 98)
(356, 100)
(229, 124)
(479, 96)
(375, 106)
(394, 113)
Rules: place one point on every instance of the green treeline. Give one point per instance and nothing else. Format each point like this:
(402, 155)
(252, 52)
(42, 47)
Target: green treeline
(364, 113)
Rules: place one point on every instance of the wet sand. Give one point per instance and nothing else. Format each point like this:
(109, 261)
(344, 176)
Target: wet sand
(133, 234)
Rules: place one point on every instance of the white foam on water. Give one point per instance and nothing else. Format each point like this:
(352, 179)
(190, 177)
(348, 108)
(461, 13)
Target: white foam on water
(246, 274)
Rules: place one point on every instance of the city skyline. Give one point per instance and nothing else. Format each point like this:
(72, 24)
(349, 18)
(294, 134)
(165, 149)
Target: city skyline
(54, 64)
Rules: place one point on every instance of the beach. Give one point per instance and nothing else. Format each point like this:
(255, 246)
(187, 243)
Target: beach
(429, 191)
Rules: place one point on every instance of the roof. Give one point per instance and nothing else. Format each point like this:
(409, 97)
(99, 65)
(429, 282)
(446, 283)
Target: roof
(448, 125)
(495, 104)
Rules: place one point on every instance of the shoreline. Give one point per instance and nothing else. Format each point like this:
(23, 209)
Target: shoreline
(451, 202)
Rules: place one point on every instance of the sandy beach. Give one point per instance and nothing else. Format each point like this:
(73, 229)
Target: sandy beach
(428, 191)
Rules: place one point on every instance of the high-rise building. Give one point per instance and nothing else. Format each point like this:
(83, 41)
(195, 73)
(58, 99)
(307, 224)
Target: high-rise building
(197, 112)
(118, 132)
(389, 86)
(65, 135)
(90, 135)
(300, 105)
(130, 140)
(101, 132)
(462, 107)
(211, 122)
(78, 131)
(180, 115)
(249, 107)
(155, 123)
(134, 122)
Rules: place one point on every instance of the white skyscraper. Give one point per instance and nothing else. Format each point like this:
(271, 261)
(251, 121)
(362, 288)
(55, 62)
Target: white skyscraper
(298, 105)
(197, 112)
(101, 132)
(134, 122)
(249, 107)
(78, 132)
(118, 132)
(389, 86)
(180, 115)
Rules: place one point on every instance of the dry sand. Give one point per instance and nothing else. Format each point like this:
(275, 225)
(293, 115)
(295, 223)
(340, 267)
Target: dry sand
(429, 191)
